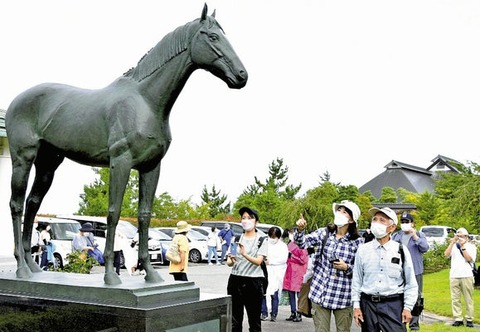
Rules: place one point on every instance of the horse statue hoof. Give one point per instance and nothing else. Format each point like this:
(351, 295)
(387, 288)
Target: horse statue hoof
(153, 277)
(23, 272)
(112, 278)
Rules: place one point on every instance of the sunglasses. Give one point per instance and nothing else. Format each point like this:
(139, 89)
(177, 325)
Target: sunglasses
(405, 221)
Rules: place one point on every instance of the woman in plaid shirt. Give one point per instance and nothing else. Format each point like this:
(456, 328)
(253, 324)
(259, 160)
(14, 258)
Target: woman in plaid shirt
(330, 290)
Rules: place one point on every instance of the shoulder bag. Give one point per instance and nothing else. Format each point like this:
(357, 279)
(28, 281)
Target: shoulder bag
(173, 252)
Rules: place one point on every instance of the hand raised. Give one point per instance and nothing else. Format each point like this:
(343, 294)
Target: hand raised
(301, 223)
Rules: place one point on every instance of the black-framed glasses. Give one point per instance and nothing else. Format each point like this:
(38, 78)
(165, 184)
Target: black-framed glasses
(405, 221)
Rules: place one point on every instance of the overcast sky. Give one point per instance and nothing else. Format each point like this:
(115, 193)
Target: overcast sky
(338, 86)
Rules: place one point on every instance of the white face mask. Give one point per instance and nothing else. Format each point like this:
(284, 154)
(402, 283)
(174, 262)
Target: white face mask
(290, 237)
(86, 234)
(406, 227)
(248, 224)
(378, 230)
(340, 219)
(273, 241)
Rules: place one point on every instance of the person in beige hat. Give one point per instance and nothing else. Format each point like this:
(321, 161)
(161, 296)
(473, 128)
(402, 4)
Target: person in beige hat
(179, 270)
(462, 255)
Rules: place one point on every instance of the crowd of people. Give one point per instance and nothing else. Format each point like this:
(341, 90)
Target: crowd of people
(374, 280)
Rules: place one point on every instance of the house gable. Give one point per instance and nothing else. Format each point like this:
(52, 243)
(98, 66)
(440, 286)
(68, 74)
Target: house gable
(412, 178)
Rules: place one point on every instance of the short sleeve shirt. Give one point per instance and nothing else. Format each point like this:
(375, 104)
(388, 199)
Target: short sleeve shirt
(182, 241)
(245, 268)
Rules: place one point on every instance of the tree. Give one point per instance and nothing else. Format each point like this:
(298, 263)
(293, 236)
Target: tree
(388, 195)
(215, 202)
(94, 200)
(316, 205)
(460, 196)
(268, 197)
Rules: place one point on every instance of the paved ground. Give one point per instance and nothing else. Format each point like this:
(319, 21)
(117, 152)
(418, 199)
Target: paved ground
(213, 280)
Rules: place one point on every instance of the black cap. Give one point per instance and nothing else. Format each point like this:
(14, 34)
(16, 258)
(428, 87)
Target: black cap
(250, 212)
(87, 227)
(406, 216)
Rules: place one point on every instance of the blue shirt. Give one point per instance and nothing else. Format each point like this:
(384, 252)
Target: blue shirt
(416, 248)
(226, 235)
(378, 271)
(330, 288)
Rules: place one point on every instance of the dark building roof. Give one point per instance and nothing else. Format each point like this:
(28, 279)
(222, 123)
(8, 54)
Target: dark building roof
(412, 178)
(397, 207)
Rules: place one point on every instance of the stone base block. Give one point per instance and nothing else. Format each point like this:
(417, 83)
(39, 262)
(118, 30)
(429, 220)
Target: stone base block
(53, 301)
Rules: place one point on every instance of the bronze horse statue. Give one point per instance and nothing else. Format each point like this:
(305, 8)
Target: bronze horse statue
(123, 126)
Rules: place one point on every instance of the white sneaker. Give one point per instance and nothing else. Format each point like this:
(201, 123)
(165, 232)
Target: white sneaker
(210, 263)
(219, 263)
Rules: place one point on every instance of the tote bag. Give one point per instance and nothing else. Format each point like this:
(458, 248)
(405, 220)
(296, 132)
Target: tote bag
(304, 303)
(173, 254)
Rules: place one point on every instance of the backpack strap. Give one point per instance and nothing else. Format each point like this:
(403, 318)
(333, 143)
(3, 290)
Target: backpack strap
(260, 241)
(262, 264)
(324, 240)
(402, 256)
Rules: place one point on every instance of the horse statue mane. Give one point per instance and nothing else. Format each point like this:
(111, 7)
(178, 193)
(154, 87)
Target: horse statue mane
(123, 126)
(166, 49)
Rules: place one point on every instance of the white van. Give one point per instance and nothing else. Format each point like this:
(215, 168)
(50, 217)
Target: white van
(437, 235)
(155, 249)
(62, 232)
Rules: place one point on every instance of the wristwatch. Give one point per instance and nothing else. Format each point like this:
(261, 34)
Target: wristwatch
(464, 249)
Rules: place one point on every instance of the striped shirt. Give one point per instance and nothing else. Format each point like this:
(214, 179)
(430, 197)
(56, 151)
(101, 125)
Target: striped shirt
(330, 288)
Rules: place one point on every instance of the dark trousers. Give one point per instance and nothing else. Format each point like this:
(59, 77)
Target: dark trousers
(247, 294)
(179, 276)
(44, 260)
(292, 298)
(274, 308)
(224, 252)
(414, 322)
(116, 261)
(382, 316)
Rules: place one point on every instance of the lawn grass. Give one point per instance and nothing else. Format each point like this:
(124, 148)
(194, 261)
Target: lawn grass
(441, 327)
(436, 291)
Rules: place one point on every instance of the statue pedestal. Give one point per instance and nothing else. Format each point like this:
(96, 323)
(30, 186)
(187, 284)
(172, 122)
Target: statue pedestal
(53, 301)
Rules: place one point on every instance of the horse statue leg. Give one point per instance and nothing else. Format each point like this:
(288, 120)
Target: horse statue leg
(119, 176)
(21, 166)
(147, 187)
(45, 166)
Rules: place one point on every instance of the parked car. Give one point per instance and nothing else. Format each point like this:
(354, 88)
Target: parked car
(236, 227)
(197, 243)
(62, 232)
(475, 239)
(265, 227)
(163, 240)
(205, 230)
(127, 229)
(437, 235)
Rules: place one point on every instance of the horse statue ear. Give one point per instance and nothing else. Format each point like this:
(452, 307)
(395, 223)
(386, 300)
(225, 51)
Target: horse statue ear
(213, 14)
(204, 12)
